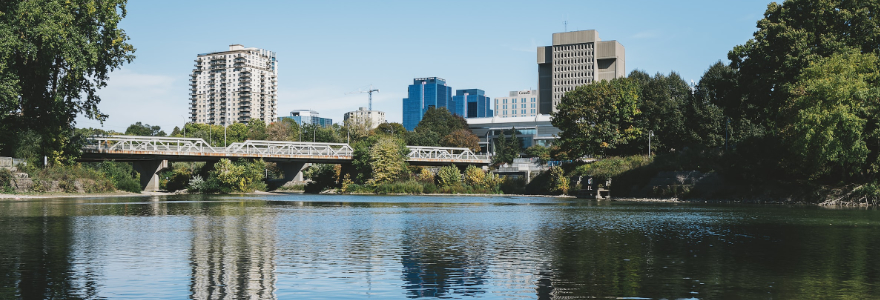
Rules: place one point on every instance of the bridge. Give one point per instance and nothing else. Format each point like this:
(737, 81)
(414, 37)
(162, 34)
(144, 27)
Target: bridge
(151, 154)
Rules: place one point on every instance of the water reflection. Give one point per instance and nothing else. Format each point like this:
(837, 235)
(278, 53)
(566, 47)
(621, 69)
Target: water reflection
(266, 248)
(233, 257)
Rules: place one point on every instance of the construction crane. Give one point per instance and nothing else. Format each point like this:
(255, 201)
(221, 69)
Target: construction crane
(368, 91)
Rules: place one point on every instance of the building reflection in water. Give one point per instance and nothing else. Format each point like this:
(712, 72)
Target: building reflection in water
(233, 256)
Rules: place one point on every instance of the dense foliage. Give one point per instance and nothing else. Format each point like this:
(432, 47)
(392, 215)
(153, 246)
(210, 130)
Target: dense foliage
(54, 56)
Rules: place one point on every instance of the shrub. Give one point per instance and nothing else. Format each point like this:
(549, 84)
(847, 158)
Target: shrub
(425, 175)
(474, 176)
(241, 176)
(558, 181)
(5, 181)
(122, 175)
(449, 175)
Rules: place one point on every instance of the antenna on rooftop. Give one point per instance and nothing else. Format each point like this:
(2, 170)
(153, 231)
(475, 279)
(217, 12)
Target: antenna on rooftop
(368, 91)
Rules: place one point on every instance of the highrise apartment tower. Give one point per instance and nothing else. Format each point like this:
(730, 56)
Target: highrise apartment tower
(234, 86)
(576, 58)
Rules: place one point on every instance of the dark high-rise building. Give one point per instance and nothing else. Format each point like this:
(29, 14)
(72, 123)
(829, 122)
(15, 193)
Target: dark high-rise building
(423, 94)
(471, 103)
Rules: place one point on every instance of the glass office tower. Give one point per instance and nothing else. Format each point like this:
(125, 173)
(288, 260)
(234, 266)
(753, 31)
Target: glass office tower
(471, 103)
(425, 93)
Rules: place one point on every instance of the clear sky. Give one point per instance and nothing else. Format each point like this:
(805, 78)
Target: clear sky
(328, 48)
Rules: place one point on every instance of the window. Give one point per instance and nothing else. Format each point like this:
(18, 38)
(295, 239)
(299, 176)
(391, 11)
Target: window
(533, 111)
(514, 100)
(523, 111)
(523, 100)
(533, 99)
(533, 105)
(505, 101)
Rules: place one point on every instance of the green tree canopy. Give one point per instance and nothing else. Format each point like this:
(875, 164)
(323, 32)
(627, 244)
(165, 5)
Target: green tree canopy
(54, 56)
(599, 117)
(256, 130)
(441, 121)
(388, 159)
(790, 37)
(831, 118)
(144, 130)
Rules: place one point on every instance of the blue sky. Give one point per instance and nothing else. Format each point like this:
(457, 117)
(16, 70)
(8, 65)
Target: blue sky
(328, 48)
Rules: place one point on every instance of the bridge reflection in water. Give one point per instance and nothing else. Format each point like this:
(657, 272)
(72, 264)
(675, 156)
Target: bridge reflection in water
(151, 154)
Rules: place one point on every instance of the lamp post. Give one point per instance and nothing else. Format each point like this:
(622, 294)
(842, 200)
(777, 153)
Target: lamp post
(650, 134)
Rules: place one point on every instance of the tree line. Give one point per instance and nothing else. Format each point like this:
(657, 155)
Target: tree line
(799, 101)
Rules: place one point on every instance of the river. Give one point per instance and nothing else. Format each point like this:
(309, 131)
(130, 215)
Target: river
(396, 247)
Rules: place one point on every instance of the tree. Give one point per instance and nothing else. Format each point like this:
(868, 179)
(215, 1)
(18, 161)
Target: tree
(144, 130)
(283, 130)
(235, 133)
(474, 176)
(461, 138)
(388, 159)
(441, 121)
(506, 149)
(256, 130)
(54, 57)
(424, 138)
(541, 152)
(355, 131)
(831, 118)
(662, 102)
(599, 117)
(395, 129)
(790, 37)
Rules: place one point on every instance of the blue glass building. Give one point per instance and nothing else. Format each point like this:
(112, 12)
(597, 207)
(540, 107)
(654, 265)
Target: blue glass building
(425, 93)
(305, 116)
(471, 103)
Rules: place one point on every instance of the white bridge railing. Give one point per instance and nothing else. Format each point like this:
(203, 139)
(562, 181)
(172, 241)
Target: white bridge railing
(443, 153)
(198, 147)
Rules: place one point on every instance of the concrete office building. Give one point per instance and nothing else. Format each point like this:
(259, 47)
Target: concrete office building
(372, 118)
(531, 130)
(305, 116)
(517, 104)
(234, 86)
(575, 58)
(423, 94)
(471, 103)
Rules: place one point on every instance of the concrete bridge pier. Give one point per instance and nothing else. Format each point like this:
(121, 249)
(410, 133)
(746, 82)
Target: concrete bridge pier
(149, 173)
(292, 171)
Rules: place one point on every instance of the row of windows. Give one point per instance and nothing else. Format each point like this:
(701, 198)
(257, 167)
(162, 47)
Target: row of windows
(572, 75)
(534, 105)
(523, 100)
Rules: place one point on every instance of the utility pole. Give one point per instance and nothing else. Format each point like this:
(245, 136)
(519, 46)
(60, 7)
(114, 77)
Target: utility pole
(368, 91)
(650, 134)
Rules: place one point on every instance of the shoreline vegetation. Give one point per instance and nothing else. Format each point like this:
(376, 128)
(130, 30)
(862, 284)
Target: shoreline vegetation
(790, 118)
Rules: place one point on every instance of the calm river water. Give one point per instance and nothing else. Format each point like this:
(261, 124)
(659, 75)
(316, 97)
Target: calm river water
(332, 247)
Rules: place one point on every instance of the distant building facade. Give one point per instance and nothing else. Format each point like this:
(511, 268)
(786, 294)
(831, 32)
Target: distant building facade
(372, 118)
(234, 86)
(305, 116)
(471, 103)
(517, 104)
(576, 58)
(531, 130)
(423, 94)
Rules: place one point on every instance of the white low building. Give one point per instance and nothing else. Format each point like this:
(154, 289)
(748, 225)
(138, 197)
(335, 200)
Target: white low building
(372, 118)
(531, 130)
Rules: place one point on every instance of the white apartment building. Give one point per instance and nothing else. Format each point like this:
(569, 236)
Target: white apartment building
(370, 117)
(517, 104)
(234, 86)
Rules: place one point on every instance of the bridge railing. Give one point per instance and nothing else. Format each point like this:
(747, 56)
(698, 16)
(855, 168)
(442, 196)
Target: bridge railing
(443, 153)
(149, 143)
(196, 146)
(290, 148)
